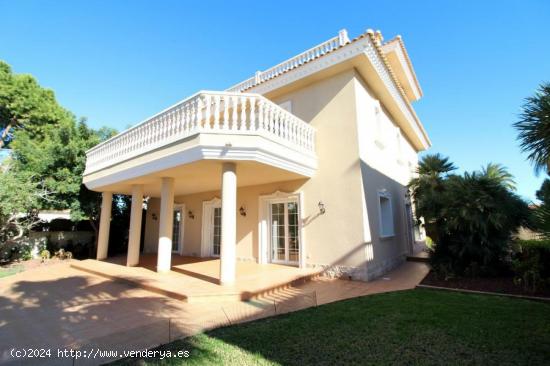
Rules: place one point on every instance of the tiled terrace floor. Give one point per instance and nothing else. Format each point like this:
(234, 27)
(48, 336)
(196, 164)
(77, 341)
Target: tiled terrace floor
(59, 306)
(196, 279)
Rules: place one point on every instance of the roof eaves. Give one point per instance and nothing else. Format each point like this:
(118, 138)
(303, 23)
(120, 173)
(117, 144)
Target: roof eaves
(399, 40)
(376, 40)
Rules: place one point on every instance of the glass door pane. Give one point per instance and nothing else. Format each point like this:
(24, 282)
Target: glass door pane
(176, 230)
(293, 234)
(217, 231)
(278, 232)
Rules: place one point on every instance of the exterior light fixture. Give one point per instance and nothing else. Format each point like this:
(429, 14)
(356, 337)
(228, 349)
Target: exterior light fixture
(242, 211)
(322, 209)
(191, 215)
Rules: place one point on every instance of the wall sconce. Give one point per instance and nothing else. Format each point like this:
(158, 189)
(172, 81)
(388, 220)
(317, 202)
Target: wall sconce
(242, 211)
(154, 216)
(191, 215)
(322, 209)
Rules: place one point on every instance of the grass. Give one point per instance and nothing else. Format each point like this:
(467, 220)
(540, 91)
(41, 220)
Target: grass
(426, 327)
(5, 272)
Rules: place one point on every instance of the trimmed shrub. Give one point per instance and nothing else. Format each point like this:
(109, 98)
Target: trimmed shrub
(61, 225)
(475, 225)
(531, 264)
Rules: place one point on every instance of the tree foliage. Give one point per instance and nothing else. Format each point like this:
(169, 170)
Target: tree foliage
(471, 217)
(48, 147)
(25, 105)
(534, 128)
(499, 174)
(20, 195)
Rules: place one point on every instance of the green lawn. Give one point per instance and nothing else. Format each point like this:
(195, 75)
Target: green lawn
(5, 272)
(424, 327)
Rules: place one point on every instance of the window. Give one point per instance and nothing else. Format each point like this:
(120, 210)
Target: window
(386, 214)
(217, 232)
(379, 122)
(399, 146)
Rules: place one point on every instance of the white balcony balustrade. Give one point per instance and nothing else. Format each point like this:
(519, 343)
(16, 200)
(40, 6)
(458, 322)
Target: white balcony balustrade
(313, 53)
(206, 112)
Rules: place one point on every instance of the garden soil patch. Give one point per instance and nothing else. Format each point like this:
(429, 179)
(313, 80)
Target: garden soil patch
(503, 285)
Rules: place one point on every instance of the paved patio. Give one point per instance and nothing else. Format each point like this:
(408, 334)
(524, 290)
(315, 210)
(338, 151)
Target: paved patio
(59, 306)
(193, 279)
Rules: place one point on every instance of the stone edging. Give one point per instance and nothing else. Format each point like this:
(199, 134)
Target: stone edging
(535, 298)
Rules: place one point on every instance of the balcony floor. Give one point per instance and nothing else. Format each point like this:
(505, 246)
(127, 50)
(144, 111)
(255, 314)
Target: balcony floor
(194, 279)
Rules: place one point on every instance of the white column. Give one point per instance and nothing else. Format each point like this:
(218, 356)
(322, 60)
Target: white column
(164, 252)
(229, 224)
(104, 225)
(134, 236)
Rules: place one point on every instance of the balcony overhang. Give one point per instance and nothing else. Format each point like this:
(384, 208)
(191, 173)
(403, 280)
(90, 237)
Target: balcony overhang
(195, 162)
(401, 65)
(271, 144)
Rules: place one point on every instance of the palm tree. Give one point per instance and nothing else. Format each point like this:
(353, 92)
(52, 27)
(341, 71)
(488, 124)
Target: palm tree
(499, 174)
(435, 165)
(534, 128)
(427, 189)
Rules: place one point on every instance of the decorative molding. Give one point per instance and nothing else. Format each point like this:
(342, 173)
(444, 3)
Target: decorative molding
(264, 229)
(365, 45)
(286, 159)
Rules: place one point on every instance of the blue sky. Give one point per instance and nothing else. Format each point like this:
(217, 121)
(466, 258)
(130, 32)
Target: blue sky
(118, 62)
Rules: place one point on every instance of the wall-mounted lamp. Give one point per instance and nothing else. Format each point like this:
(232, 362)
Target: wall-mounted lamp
(322, 209)
(242, 211)
(191, 215)
(154, 216)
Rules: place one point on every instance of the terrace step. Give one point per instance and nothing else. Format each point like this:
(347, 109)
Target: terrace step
(192, 282)
(421, 257)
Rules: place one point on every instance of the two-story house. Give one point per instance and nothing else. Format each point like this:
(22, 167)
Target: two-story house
(304, 164)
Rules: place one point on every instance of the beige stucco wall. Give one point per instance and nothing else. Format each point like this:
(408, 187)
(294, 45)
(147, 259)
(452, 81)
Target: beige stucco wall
(247, 226)
(387, 162)
(352, 168)
(336, 237)
(150, 242)
(329, 106)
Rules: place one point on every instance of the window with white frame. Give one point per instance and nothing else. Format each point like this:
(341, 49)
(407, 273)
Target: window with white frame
(386, 214)
(399, 146)
(379, 123)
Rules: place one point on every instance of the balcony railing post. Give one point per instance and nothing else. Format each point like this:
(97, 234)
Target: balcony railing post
(260, 114)
(198, 113)
(243, 114)
(225, 99)
(343, 37)
(217, 112)
(208, 114)
(252, 114)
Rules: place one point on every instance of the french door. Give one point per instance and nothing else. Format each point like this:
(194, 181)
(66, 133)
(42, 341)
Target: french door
(216, 232)
(284, 227)
(177, 229)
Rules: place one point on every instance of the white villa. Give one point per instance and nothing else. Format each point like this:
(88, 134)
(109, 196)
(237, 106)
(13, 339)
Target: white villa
(304, 164)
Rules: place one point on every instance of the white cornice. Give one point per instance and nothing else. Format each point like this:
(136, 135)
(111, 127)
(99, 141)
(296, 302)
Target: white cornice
(362, 46)
(261, 151)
